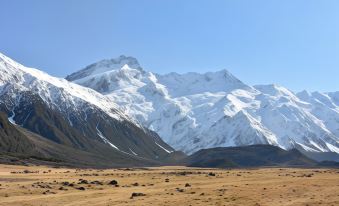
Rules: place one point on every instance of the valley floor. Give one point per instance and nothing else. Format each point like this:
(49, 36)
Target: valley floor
(35, 185)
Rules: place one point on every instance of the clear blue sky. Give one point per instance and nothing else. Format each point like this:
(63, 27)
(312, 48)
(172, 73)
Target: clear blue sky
(294, 43)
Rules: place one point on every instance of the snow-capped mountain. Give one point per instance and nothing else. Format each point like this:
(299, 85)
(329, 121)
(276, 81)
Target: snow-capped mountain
(325, 107)
(72, 115)
(193, 111)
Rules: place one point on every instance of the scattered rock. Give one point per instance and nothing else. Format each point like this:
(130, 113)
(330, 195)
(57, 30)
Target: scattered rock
(113, 182)
(135, 184)
(83, 181)
(46, 192)
(62, 188)
(211, 174)
(96, 182)
(180, 190)
(65, 183)
(137, 194)
(184, 173)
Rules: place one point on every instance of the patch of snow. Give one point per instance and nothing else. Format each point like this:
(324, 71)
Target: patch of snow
(70, 122)
(133, 152)
(17, 101)
(11, 118)
(168, 151)
(104, 139)
(306, 148)
(23, 123)
(332, 148)
(319, 148)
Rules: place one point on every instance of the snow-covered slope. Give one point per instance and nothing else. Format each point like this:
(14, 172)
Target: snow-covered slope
(54, 91)
(194, 111)
(73, 115)
(324, 106)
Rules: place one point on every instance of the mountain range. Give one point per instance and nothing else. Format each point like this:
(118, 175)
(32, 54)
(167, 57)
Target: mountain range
(70, 119)
(114, 113)
(195, 111)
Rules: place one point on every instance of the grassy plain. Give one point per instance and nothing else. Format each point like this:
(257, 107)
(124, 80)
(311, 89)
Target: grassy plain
(40, 185)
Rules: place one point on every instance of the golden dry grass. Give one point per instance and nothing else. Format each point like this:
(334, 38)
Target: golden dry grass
(267, 186)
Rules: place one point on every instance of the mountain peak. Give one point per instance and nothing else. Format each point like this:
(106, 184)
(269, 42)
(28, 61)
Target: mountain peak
(304, 95)
(8, 61)
(105, 65)
(274, 90)
(228, 76)
(192, 83)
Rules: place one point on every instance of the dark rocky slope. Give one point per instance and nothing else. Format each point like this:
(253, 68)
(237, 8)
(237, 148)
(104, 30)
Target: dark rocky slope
(20, 146)
(248, 156)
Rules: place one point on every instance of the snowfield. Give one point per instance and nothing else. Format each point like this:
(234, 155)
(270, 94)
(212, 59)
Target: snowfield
(193, 111)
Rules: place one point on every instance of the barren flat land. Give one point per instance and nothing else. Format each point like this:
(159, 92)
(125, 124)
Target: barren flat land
(40, 185)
